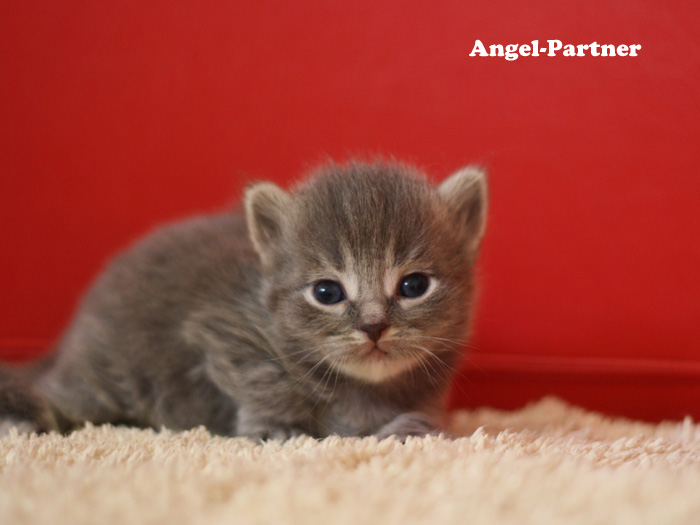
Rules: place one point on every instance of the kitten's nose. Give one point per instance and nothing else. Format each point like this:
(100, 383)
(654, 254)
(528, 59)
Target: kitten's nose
(374, 331)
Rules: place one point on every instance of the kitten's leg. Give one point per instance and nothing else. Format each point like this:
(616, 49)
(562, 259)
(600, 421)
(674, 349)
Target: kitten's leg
(409, 424)
(271, 409)
(268, 405)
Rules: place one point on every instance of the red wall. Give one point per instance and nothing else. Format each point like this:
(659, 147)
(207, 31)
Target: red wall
(116, 116)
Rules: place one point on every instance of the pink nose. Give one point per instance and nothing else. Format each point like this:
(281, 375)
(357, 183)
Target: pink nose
(374, 331)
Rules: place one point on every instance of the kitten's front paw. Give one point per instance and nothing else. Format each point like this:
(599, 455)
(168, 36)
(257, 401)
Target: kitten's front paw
(409, 424)
(269, 433)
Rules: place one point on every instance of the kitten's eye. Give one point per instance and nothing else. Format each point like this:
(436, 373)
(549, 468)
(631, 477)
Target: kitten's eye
(328, 292)
(414, 285)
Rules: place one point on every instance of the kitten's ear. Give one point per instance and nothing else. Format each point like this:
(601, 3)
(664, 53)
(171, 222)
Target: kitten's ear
(266, 207)
(466, 194)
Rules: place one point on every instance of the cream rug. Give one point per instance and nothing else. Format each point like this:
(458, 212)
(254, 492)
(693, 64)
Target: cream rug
(547, 463)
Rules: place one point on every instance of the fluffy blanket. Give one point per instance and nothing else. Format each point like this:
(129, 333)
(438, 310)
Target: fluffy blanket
(547, 463)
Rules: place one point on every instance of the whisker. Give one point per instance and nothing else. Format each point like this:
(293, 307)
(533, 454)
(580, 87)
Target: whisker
(436, 360)
(330, 372)
(434, 338)
(423, 364)
(458, 375)
(452, 343)
(286, 356)
(330, 342)
(431, 354)
(309, 373)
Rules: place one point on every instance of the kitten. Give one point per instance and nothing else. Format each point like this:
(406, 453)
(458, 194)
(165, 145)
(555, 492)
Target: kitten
(336, 308)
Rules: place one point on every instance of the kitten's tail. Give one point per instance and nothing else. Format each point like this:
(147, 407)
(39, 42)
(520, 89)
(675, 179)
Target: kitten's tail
(21, 405)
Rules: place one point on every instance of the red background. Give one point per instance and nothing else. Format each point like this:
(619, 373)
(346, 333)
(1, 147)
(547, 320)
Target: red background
(117, 116)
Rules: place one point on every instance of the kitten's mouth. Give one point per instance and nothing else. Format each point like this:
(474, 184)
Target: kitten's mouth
(375, 354)
(371, 363)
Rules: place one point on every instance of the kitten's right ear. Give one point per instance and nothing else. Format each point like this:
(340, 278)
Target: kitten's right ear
(466, 194)
(266, 206)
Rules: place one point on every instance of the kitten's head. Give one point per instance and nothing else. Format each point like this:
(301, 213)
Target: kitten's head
(368, 266)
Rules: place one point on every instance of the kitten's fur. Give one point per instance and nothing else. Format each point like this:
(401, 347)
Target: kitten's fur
(214, 322)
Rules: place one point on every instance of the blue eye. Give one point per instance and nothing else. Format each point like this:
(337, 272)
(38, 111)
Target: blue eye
(328, 292)
(414, 285)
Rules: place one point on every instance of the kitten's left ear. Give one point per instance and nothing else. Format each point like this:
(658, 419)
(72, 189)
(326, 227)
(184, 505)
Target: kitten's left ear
(466, 194)
(266, 206)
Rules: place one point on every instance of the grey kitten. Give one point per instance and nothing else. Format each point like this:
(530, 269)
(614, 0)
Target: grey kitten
(336, 308)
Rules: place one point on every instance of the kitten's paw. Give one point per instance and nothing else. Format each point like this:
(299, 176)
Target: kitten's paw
(409, 424)
(253, 425)
(23, 426)
(270, 433)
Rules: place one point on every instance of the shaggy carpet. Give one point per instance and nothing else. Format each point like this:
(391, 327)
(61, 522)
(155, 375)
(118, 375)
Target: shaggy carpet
(547, 463)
